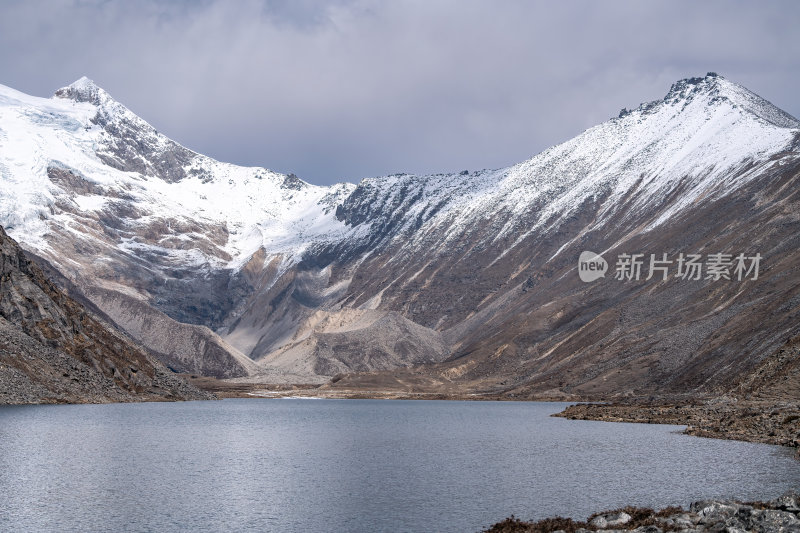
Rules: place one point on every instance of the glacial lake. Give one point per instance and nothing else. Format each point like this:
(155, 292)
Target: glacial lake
(351, 465)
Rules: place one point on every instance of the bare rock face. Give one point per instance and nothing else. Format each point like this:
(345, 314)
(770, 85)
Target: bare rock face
(467, 279)
(346, 341)
(183, 347)
(53, 350)
(128, 142)
(114, 280)
(503, 286)
(776, 378)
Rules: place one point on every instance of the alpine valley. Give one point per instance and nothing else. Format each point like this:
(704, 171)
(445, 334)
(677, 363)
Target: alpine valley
(459, 284)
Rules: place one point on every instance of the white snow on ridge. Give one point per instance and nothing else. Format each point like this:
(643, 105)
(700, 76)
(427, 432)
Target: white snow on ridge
(34, 131)
(703, 129)
(37, 133)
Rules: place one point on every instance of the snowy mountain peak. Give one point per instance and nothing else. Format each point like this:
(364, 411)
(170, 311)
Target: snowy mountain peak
(83, 82)
(686, 87)
(84, 90)
(713, 89)
(139, 219)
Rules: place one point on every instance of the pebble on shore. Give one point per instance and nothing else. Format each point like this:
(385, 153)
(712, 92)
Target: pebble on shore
(777, 516)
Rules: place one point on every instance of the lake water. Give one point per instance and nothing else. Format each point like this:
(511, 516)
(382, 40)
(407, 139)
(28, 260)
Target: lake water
(351, 465)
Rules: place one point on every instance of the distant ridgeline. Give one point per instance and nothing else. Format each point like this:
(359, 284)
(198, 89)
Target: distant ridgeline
(467, 281)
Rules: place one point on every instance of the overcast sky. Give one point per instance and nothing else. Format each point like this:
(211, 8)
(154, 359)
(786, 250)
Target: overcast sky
(342, 90)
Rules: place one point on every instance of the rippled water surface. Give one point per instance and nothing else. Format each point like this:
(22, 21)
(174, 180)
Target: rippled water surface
(351, 465)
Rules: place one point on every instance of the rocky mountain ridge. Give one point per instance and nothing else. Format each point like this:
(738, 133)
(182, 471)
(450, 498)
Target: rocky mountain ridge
(52, 350)
(467, 278)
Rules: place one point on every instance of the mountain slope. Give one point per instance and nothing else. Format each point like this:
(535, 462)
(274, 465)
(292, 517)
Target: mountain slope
(489, 258)
(116, 206)
(710, 175)
(478, 268)
(53, 350)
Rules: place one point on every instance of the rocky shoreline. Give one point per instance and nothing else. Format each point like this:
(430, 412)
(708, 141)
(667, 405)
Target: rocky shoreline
(776, 516)
(724, 418)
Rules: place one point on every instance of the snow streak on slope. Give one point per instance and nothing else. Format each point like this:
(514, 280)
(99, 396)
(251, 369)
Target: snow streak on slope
(702, 131)
(221, 245)
(33, 133)
(256, 207)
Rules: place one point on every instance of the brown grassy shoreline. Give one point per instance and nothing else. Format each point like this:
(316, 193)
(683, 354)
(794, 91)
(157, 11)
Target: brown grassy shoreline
(752, 421)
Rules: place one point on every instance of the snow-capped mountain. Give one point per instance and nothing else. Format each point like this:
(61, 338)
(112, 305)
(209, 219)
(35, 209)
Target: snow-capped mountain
(118, 158)
(472, 274)
(116, 206)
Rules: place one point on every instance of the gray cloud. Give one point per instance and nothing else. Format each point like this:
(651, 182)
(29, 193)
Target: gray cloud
(342, 90)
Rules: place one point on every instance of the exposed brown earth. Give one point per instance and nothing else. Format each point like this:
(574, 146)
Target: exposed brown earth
(764, 406)
(460, 285)
(765, 422)
(479, 300)
(225, 388)
(525, 325)
(53, 350)
(233, 388)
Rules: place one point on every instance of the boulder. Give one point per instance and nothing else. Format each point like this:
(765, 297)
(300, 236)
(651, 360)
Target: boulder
(607, 520)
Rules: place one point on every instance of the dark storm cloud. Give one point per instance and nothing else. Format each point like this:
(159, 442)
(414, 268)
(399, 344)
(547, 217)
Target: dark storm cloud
(347, 89)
